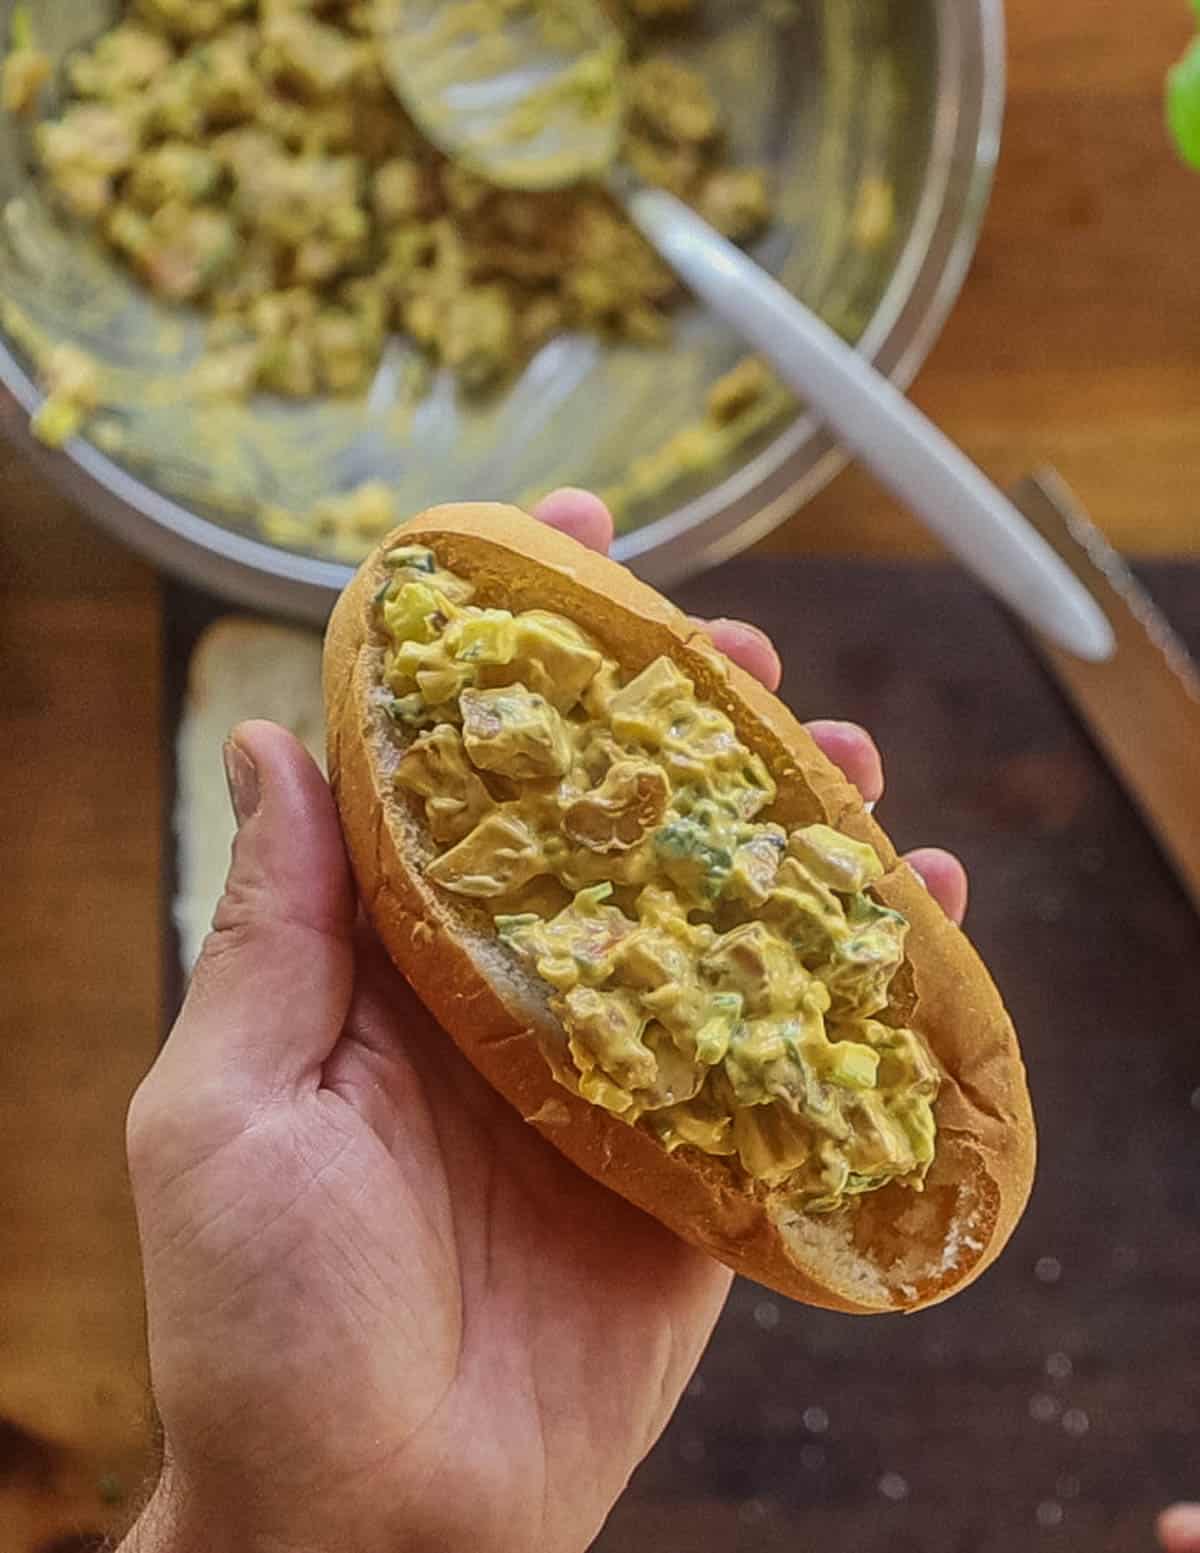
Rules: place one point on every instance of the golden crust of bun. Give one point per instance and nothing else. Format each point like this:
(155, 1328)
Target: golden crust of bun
(895, 1249)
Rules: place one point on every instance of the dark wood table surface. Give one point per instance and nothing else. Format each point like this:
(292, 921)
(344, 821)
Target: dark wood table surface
(1074, 343)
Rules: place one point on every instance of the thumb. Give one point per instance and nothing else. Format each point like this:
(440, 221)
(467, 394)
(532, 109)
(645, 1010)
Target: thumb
(272, 987)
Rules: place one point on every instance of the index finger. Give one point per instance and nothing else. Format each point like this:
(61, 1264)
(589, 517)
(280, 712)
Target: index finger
(580, 514)
(586, 518)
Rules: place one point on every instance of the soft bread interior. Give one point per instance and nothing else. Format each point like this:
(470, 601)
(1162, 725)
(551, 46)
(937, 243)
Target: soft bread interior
(895, 1248)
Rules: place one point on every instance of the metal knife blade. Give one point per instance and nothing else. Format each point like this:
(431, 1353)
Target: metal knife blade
(1142, 706)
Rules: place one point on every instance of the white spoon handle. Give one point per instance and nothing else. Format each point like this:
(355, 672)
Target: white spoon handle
(875, 421)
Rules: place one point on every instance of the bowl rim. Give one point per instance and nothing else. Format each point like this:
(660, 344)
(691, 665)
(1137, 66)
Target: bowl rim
(763, 493)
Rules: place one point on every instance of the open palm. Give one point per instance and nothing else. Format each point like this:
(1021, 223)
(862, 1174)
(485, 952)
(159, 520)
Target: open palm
(383, 1311)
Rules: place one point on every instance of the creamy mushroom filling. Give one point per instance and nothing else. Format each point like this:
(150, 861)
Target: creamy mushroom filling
(723, 982)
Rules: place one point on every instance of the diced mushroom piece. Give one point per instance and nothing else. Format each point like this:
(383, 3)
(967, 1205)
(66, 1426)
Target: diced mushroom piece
(701, 749)
(125, 60)
(26, 72)
(768, 1064)
(677, 1077)
(805, 910)
(226, 85)
(343, 351)
(478, 335)
(190, 248)
(173, 101)
(700, 1124)
(622, 811)
(739, 390)
(190, 19)
(295, 198)
(904, 1059)
(671, 167)
(499, 856)
(174, 171)
(554, 657)
(680, 1006)
(771, 1144)
(843, 864)
(307, 57)
(514, 732)
(880, 1146)
(289, 367)
(436, 768)
(580, 944)
(598, 699)
(753, 961)
(596, 754)
(650, 959)
(859, 971)
(737, 201)
(401, 190)
(91, 138)
(756, 866)
(608, 1027)
(636, 711)
(673, 101)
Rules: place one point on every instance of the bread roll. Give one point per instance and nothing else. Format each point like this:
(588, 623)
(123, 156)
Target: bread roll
(887, 1249)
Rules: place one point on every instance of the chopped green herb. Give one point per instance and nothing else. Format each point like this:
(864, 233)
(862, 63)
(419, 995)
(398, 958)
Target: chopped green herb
(413, 558)
(508, 926)
(408, 711)
(717, 1031)
(691, 860)
(23, 36)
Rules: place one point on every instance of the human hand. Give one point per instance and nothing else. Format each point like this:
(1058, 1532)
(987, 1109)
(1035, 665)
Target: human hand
(383, 1312)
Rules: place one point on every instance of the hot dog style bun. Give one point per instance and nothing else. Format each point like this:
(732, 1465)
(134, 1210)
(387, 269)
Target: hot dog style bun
(661, 923)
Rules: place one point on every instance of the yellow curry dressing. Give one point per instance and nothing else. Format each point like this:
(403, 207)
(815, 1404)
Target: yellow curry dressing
(722, 982)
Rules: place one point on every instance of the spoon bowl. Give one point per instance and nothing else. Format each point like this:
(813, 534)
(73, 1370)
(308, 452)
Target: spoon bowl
(525, 94)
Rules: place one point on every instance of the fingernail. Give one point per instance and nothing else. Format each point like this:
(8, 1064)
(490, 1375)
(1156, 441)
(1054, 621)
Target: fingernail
(745, 625)
(242, 776)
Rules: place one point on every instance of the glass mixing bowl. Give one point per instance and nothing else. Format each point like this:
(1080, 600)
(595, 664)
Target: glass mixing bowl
(835, 96)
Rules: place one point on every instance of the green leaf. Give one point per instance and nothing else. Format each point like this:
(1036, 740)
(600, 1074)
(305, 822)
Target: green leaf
(1183, 103)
